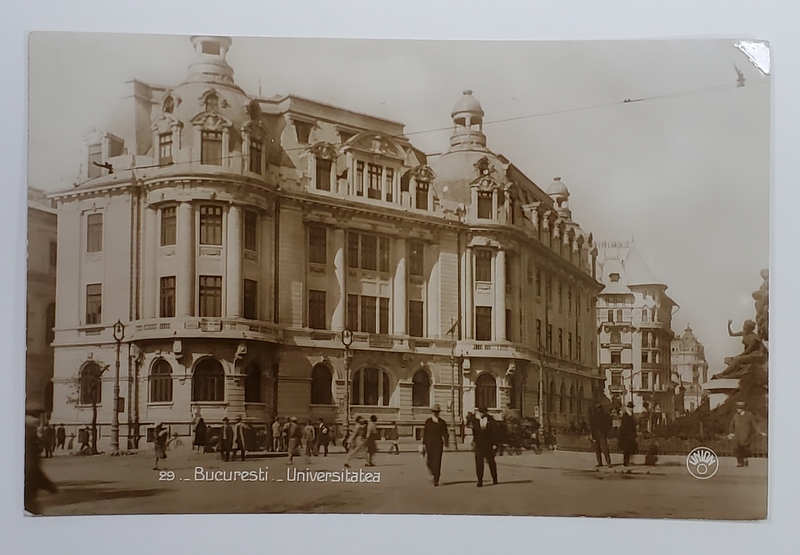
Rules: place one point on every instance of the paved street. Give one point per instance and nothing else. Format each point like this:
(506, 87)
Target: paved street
(553, 483)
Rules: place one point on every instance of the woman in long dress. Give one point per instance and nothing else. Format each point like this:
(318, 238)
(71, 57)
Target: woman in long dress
(200, 436)
(359, 442)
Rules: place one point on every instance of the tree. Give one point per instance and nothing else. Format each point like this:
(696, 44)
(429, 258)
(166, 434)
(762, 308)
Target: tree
(89, 385)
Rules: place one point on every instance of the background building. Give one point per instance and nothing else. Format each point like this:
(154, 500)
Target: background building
(236, 237)
(41, 298)
(634, 318)
(689, 371)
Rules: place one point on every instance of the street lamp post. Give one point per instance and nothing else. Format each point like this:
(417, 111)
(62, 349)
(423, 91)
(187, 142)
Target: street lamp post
(347, 340)
(119, 335)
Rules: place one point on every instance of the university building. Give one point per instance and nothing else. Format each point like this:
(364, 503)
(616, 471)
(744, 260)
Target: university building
(689, 371)
(634, 318)
(236, 237)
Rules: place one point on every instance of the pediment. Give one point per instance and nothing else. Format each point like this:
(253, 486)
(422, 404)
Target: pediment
(211, 121)
(377, 143)
(165, 123)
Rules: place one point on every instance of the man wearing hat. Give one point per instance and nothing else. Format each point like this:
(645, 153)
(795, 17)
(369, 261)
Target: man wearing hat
(434, 439)
(743, 432)
(627, 435)
(239, 438)
(600, 424)
(226, 440)
(484, 433)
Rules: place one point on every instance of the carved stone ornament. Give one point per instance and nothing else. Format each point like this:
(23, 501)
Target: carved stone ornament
(166, 123)
(484, 166)
(325, 151)
(211, 121)
(423, 174)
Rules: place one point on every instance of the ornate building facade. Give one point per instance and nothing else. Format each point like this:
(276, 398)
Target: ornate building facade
(236, 237)
(689, 371)
(634, 318)
(41, 299)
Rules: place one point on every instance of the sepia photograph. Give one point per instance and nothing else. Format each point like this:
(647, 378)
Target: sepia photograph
(295, 275)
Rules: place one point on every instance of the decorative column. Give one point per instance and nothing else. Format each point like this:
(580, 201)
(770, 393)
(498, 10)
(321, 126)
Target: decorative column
(400, 283)
(150, 278)
(233, 273)
(500, 296)
(339, 275)
(434, 287)
(469, 288)
(185, 259)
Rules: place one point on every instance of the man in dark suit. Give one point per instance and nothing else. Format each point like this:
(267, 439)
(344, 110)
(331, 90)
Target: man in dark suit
(434, 439)
(484, 433)
(627, 435)
(226, 440)
(600, 425)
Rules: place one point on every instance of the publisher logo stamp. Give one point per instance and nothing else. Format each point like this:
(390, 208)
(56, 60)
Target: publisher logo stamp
(702, 463)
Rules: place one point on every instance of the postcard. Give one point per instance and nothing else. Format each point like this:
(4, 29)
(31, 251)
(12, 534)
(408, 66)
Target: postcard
(397, 277)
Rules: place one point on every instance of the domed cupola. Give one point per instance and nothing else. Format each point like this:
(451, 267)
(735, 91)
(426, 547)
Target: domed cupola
(467, 117)
(209, 64)
(559, 194)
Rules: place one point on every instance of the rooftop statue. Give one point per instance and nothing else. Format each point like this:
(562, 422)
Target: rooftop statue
(762, 307)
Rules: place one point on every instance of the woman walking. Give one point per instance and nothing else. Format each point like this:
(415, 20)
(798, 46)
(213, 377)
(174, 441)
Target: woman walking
(200, 436)
(359, 441)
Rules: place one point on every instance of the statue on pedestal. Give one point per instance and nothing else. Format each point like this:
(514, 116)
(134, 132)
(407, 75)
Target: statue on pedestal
(755, 352)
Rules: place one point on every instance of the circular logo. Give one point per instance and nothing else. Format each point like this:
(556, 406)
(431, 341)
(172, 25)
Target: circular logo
(702, 463)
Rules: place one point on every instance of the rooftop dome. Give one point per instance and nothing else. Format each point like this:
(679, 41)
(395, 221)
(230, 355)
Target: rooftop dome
(557, 188)
(467, 104)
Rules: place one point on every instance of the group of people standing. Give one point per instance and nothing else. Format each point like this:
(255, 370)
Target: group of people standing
(600, 424)
(52, 438)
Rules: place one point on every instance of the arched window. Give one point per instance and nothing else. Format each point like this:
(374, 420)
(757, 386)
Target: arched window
(91, 384)
(572, 406)
(486, 391)
(50, 323)
(252, 384)
(209, 381)
(169, 105)
(562, 399)
(161, 382)
(421, 390)
(371, 386)
(212, 103)
(551, 399)
(321, 379)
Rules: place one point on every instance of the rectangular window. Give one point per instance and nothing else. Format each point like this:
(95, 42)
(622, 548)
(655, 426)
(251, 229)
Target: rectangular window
(94, 233)
(352, 251)
(569, 345)
(560, 342)
(250, 230)
(578, 353)
(645, 357)
(210, 296)
(168, 226)
(369, 316)
(530, 271)
(359, 179)
(255, 156)
(549, 338)
(53, 255)
(324, 174)
(610, 316)
(369, 252)
(167, 304)
(548, 286)
(416, 258)
(616, 378)
(384, 315)
(165, 149)
(569, 300)
(560, 298)
(422, 196)
(389, 184)
(375, 173)
(538, 283)
(383, 260)
(211, 148)
(645, 380)
(485, 205)
(416, 319)
(95, 156)
(317, 245)
(250, 311)
(538, 333)
(509, 329)
(616, 357)
(303, 131)
(210, 225)
(316, 310)
(483, 323)
(94, 303)
(483, 265)
(352, 312)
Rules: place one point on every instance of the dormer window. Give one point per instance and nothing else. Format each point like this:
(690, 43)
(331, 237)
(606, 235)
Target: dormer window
(375, 173)
(212, 100)
(165, 149)
(303, 131)
(324, 168)
(256, 150)
(422, 196)
(95, 158)
(484, 205)
(169, 105)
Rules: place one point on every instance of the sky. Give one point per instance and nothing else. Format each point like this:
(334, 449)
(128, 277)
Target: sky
(682, 169)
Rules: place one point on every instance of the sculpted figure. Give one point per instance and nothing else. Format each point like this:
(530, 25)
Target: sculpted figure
(754, 351)
(762, 307)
